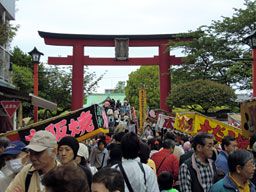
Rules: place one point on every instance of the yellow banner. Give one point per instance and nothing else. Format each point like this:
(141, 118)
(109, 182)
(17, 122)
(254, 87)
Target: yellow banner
(192, 123)
(142, 108)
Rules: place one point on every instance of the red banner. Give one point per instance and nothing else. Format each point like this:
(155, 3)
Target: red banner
(10, 107)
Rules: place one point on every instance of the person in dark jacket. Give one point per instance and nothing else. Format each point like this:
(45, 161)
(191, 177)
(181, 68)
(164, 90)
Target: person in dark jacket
(241, 169)
(197, 173)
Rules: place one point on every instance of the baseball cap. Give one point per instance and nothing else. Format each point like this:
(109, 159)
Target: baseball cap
(41, 141)
(14, 148)
(83, 151)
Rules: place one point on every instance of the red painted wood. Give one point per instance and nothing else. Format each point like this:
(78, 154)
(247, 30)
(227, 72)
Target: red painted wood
(254, 72)
(77, 78)
(35, 91)
(164, 76)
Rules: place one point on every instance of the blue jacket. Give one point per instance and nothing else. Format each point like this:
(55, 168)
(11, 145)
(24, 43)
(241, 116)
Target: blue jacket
(227, 185)
(221, 162)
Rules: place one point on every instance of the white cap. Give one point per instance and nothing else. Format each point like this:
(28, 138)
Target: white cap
(83, 151)
(41, 141)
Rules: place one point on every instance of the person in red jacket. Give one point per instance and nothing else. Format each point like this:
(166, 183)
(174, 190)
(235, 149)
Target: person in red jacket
(165, 160)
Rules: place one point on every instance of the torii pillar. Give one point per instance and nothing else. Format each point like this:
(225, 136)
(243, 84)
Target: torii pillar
(164, 76)
(77, 78)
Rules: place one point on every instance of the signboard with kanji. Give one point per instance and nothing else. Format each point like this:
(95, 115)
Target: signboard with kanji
(192, 123)
(10, 107)
(77, 124)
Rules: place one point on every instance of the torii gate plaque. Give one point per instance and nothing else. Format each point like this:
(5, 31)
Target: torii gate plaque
(78, 59)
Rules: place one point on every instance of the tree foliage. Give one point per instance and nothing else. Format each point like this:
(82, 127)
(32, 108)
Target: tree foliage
(23, 78)
(120, 87)
(145, 77)
(212, 53)
(7, 32)
(204, 94)
(54, 82)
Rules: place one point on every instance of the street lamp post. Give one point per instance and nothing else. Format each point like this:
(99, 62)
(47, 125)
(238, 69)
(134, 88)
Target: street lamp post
(251, 41)
(35, 54)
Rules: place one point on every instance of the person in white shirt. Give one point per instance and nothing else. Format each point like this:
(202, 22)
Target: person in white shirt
(137, 176)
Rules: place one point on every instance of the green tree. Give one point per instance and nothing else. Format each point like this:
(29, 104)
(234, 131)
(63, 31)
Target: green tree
(21, 58)
(23, 78)
(120, 87)
(201, 95)
(7, 32)
(54, 82)
(145, 77)
(212, 51)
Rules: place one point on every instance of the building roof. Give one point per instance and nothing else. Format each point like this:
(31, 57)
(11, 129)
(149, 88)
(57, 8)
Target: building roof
(98, 98)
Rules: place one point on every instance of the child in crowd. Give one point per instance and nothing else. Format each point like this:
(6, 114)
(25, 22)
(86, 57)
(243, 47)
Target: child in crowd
(165, 182)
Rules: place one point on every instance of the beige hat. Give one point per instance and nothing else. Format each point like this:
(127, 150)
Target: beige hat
(41, 141)
(83, 151)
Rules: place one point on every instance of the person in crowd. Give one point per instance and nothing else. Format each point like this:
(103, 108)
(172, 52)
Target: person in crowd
(4, 142)
(138, 176)
(178, 149)
(66, 178)
(67, 152)
(252, 148)
(154, 145)
(144, 156)
(42, 152)
(148, 132)
(228, 145)
(15, 159)
(115, 152)
(108, 180)
(241, 169)
(83, 156)
(99, 155)
(165, 182)
(165, 160)
(187, 146)
(198, 172)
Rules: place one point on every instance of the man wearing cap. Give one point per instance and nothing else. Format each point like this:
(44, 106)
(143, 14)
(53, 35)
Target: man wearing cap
(15, 158)
(43, 151)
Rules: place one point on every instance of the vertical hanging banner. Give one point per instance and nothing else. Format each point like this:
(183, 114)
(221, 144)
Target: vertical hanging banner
(10, 107)
(82, 124)
(248, 117)
(142, 108)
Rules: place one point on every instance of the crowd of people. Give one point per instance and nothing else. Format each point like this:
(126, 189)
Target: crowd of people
(166, 161)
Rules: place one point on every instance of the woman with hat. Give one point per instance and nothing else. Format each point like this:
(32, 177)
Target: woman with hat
(83, 156)
(67, 152)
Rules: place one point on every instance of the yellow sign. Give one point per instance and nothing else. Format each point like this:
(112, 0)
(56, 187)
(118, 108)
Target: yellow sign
(248, 117)
(192, 123)
(142, 108)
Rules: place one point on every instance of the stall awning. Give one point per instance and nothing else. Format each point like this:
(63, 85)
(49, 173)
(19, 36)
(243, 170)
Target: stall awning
(40, 102)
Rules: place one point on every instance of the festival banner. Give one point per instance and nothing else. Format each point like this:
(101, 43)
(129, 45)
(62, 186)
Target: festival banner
(192, 123)
(184, 122)
(248, 117)
(142, 108)
(77, 124)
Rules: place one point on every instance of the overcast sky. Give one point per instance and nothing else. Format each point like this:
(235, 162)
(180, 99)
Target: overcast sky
(112, 17)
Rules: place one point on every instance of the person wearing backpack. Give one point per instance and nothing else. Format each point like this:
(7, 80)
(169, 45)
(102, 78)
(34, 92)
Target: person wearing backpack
(43, 152)
(137, 176)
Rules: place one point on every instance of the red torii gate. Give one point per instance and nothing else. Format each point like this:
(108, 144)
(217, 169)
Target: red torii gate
(78, 59)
